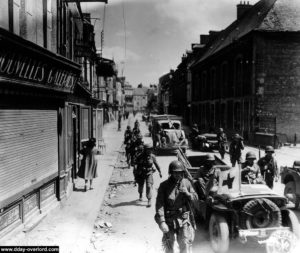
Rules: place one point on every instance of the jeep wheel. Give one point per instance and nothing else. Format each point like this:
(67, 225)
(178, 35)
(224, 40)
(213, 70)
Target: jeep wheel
(290, 193)
(219, 233)
(293, 223)
(260, 213)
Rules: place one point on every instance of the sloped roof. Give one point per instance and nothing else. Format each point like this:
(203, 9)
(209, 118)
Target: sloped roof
(140, 91)
(265, 15)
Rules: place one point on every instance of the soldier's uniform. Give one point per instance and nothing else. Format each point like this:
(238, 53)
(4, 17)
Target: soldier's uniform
(235, 150)
(173, 212)
(127, 142)
(146, 165)
(205, 172)
(251, 174)
(268, 167)
(222, 140)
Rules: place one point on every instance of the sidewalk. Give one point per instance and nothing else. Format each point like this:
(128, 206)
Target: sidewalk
(70, 226)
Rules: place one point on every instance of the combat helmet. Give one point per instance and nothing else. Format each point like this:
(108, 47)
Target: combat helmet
(175, 166)
(210, 157)
(250, 155)
(269, 149)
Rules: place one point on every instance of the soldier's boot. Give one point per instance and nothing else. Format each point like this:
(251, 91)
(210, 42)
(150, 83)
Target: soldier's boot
(149, 203)
(141, 197)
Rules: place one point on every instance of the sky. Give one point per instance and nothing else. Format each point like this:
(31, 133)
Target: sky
(158, 32)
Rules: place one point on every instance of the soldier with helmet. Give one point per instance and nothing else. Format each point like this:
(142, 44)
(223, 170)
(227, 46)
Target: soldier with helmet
(205, 173)
(268, 167)
(250, 171)
(127, 142)
(173, 209)
(145, 163)
(222, 141)
(136, 129)
(235, 149)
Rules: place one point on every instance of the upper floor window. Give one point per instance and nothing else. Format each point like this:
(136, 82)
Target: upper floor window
(238, 75)
(34, 21)
(224, 79)
(4, 18)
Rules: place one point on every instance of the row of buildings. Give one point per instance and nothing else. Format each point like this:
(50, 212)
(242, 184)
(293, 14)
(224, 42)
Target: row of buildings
(55, 91)
(244, 78)
(140, 99)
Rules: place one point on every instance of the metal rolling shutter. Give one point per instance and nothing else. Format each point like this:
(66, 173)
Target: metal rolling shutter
(28, 149)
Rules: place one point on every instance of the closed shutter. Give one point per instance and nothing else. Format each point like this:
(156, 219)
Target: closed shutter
(28, 149)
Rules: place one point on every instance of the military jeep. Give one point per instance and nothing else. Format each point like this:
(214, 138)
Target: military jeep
(232, 210)
(290, 177)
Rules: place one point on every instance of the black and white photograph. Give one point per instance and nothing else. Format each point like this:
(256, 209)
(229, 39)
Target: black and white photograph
(150, 126)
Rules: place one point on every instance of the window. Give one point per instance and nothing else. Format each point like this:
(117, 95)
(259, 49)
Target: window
(4, 20)
(49, 24)
(204, 89)
(16, 16)
(34, 17)
(224, 80)
(238, 76)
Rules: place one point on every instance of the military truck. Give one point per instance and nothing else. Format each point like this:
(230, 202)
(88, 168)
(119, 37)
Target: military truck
(290, 177)
(168, 134)
(248, 212)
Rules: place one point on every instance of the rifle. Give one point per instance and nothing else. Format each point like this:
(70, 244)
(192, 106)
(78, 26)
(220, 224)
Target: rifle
(186, 165)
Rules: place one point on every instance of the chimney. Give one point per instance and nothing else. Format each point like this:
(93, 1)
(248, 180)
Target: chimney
(242, 8)
(204, 38)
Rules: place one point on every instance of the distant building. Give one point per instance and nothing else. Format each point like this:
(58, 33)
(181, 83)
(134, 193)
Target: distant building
(140, 99)
(128, 103)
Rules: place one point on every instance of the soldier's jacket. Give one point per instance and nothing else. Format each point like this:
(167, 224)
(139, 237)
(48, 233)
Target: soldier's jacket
(222, 138)
(206, 171)
(235, 148)
(268, 166)
(251, 174)
(171, 204)
(145, 164)
(127, 136)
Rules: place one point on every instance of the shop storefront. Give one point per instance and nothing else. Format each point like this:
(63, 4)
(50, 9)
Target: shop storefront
(39, 126)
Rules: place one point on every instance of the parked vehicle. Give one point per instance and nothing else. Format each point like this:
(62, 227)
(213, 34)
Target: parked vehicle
(290, 177)
(167, 133)
(235, 210)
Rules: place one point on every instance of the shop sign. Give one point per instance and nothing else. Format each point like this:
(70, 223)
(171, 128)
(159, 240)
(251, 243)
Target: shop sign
(24, 67)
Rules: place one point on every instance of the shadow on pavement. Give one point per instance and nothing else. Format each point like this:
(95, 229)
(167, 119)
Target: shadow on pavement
(130, 203)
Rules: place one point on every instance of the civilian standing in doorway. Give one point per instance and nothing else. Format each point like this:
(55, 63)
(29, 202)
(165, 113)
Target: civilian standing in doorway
(88, 165)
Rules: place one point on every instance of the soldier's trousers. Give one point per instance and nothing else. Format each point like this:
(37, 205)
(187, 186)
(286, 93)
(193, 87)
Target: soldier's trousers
(184, 235)
(222, 150)
(141, 180)
(269, 181)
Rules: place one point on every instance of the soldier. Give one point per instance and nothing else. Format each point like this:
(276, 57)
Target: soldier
(193, 135)
(127, 135)
(251, 171)
(145, 163)
(222, 141)
(136, 128)
(173, 209)
(205, 173)
(235, 149)
(268, 167)
(136, 141)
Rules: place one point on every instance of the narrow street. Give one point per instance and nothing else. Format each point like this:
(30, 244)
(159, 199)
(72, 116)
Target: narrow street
(131, 226)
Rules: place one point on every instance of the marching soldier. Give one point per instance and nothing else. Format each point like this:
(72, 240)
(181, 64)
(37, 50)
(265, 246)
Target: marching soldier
(205, 173)
(173, 210)
(251, 171)
(127, 142)
(235, 149)
(136, 128)
(222, 141)
(268, 167)
(145, 163)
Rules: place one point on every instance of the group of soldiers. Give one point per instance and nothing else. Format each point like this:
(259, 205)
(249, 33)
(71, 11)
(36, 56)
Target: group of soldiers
(173, 204)
(140, 157)
(176, 194)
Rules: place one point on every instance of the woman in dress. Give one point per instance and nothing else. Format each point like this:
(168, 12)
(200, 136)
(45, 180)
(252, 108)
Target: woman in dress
(88, 166)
